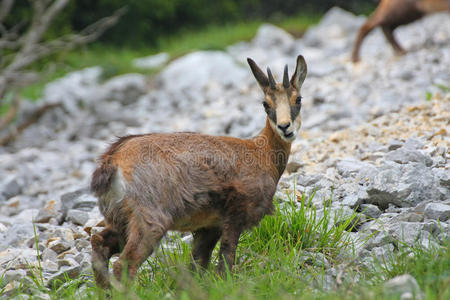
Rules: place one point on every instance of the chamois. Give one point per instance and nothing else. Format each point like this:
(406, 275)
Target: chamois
(393, 13)
(213, 186)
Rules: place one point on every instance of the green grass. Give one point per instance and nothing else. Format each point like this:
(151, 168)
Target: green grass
(431, 268)
(272, 264)
(116, 61)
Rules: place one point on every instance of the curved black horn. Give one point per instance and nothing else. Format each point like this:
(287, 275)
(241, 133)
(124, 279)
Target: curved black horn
(272, 83)
(286, 82)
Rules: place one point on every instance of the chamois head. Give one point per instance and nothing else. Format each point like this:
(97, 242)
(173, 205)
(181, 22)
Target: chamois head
(282, 101)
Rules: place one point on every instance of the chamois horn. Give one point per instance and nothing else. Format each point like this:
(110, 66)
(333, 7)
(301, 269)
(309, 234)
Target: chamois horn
(286, 83)
(272, 83)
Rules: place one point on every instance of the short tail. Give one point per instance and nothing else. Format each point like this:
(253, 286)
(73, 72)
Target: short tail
(102, 178)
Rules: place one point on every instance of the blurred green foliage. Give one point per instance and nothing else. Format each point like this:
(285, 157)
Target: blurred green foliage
(146, 21)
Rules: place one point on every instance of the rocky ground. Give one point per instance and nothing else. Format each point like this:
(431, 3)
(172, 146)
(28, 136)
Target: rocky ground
(370, 139)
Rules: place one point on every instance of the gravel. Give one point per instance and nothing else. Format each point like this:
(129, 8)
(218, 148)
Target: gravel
(369, 139)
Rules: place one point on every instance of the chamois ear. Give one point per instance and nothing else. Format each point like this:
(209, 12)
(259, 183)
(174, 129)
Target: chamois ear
(262, 79)
(299, 74)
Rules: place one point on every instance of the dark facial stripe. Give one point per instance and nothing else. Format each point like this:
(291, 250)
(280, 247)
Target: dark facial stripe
(271, 113)
(295, 110)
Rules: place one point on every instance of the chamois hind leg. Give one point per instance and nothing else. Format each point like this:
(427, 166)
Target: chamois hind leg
(388, 32)
(104, 245)
(228, 245)
(362, 33)
(204, 241)
(143, 236)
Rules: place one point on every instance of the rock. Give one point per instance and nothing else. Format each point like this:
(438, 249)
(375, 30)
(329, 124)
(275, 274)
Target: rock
(437, 211)
(410, 216)
(51, 210)
(67, 261)
(94, 221)
(125, 89)
(10, 187)
(404, 286)
(401, 185)
(404, 156)
(350, 166)
(322, 68)
(270, 36)
(11, 207)
(74, 89)
(443, 176)
(77, 217)
(58, 246)
(307, 179)
(351, 200)
(82, 244)
(428, 241)
(383, 253)
(203, 67)
(394, 144)
(406, 232)
(38, 295)
(316, 259)
(50, 266)
(13, 275)
(60, 277)
(7, 255)
(19, 258)
(378, 240)
(49, 254)
(413, 144)
(16, 235)
(152, 61)
(370, 210)
(65, 233)
(335, 25)
(80, 199)
(391, 156)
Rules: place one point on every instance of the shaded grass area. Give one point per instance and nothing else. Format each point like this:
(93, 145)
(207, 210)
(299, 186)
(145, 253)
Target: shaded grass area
(116, 61)
(272, 264)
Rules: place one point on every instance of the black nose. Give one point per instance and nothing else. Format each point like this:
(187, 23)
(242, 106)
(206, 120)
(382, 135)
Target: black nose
(284, 127)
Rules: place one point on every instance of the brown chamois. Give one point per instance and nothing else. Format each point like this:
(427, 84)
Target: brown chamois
(215, 187)
(393, 13)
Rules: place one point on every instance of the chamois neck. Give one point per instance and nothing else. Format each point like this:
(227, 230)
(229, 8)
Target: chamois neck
(276, 150)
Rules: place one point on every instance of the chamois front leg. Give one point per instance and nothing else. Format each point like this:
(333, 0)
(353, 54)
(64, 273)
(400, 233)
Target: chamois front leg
(104, 245)
(388, 32)
(228, 245)
(205, 240)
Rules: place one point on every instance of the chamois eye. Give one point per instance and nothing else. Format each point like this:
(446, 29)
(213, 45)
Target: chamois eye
(266, 105)
(298, 100)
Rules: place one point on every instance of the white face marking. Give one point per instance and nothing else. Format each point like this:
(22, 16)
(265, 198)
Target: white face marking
(283, 114)
(283, 111)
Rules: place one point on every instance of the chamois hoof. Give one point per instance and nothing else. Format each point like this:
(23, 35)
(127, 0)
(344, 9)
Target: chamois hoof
(400, 52)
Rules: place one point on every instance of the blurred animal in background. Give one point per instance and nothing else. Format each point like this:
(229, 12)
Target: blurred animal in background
(393, 13)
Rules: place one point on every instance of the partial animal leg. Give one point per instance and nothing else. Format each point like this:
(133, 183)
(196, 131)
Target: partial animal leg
(204, 241)
(363, 32)
(228, 245)
(143, 236)
(104, 245)
(389, 34)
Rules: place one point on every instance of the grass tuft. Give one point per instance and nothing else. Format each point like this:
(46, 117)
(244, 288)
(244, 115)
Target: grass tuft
(282, 258)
